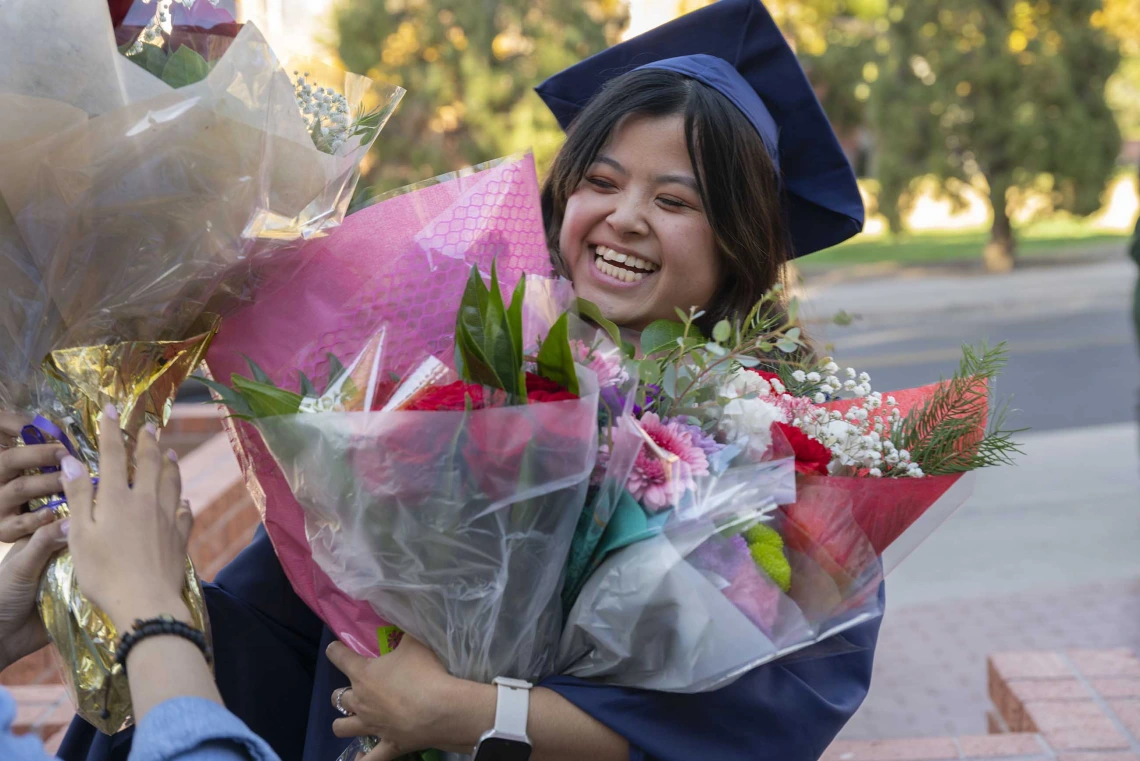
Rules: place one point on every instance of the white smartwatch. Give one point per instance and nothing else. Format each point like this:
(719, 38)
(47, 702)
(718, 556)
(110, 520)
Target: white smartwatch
(508, 740)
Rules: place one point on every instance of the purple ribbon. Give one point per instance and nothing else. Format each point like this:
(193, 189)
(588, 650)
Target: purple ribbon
(38, 432)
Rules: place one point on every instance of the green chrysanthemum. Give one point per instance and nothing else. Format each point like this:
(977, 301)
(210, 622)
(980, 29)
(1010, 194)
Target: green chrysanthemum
(767, 549)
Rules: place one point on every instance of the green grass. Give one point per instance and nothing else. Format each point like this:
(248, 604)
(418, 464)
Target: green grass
(1055, 236)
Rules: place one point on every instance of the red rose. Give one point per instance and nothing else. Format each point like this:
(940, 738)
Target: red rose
(766, 375)
(539, 389)
(450, 398)
(811, 456)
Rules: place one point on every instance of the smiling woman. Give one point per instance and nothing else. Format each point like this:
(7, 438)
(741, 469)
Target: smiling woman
(664, 196)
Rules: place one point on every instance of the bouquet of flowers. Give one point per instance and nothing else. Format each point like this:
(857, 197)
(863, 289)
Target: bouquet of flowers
(446, 505)
(135, 206)
(759, 507)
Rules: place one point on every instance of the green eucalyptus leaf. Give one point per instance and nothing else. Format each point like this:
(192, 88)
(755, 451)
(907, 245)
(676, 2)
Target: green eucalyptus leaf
(682, 315)
(661, 335)
(649, 371)
(722, 331)
(555, 360)
(793, 334)
(669, 381)
(184, 67)
(786, 346)
(715, 349)
(746, 361)
(793, 310)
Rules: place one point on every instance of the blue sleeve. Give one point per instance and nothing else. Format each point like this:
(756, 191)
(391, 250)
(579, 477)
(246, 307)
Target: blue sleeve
(783, 711)
(12, 747)
(196, 729)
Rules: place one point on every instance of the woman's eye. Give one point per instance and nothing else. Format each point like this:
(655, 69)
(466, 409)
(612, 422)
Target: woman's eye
(598, 182)
(673, 203)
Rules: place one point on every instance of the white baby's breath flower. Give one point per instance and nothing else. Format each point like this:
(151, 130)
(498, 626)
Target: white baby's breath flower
(814, 377)
(799, 376)
(819, 398)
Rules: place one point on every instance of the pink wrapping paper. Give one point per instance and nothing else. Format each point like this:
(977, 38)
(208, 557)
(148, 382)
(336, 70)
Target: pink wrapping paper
(402, 262)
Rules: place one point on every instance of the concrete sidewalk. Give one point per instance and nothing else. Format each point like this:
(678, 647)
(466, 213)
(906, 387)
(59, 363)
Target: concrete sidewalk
(1045, 555)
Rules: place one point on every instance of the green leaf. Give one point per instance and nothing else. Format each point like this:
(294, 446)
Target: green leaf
(476, 368)
(661, 335)
(593, 313)
(649, 371)
(259, 375)
(555, 360)
(336, 369)
(266, 400)
(722, 331)
(184, 67)
(307, 387)
(152, 58)
(472, 307)
(793, 310)
(515, 326)
(793, 334)
(669, 381)
(842, 318)
(498, 345)
(786, 346)
(682, 315)
(230, 398)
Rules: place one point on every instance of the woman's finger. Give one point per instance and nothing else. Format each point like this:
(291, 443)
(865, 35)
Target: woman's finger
(112, 451)
(16, 527)
(350, 726)
(11, 423)
(170, 484)
(349, 663)
(33, 557)
(79, 491)
(184, 521)
(148, 461)
(16, 493)
(14, 461)
(385, 751)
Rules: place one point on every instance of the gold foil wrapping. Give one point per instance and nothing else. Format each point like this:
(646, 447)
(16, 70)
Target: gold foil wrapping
(141, 379)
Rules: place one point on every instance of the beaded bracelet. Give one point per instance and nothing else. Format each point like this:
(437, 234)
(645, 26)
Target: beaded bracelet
(163, 625)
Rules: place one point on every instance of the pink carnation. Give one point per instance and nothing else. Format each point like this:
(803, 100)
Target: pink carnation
(655, 483)
(607, 365)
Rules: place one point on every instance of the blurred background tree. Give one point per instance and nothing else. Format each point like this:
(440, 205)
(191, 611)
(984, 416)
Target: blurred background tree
(1009, 90)
(470, 66)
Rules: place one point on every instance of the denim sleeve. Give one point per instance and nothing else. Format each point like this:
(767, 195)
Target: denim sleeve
(196, 729)
(13, 748)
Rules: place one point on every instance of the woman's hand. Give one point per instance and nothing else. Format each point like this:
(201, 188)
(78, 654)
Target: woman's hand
(21, 631)
(409, 700)
(16, 488)
(129, 542)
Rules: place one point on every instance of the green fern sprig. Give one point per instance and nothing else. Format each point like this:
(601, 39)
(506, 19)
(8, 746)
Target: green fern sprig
(953, 431)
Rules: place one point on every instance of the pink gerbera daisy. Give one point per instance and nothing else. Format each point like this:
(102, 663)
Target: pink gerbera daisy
(662, 474)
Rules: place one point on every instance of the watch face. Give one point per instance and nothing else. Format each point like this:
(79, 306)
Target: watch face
(500, 749)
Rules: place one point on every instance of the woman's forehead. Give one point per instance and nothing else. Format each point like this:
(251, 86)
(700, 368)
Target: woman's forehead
(643, 143)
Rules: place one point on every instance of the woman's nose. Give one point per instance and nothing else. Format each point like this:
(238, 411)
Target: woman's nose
(628, 216)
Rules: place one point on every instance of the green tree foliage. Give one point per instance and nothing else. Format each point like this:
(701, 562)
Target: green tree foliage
(1012, 90)
(468, 66)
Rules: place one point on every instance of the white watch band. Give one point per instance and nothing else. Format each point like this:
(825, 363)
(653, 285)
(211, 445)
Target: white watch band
(512, 708)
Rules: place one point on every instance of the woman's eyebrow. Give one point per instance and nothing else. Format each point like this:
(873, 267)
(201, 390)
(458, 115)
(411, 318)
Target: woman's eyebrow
(680, 179)
(611, 161)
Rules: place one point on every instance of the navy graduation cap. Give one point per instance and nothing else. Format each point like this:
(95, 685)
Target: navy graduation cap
(734, 47)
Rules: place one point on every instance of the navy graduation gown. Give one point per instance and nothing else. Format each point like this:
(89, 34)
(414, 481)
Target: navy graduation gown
(272, 673)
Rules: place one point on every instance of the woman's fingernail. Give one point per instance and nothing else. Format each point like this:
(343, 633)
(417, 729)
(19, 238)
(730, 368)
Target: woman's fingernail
(151, 429)
(72, 468)
(60, 454)
(110, 411)
(171, 455)
(65, 526)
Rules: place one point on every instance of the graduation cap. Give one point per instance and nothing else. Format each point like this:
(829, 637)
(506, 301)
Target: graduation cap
(734, 47)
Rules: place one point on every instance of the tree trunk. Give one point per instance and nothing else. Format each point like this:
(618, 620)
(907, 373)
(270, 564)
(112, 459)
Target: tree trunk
(998, 255)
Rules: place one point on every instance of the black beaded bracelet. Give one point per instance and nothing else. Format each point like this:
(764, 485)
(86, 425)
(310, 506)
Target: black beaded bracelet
(161, 626)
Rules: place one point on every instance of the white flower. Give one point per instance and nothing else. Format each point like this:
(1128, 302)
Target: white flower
(850, 372)
(891, 401)
(749, 421)
(744, 382)
(799, 376)
(819, 398)
(875, 473)
(778, 386)
(814, 377)
(830, 367)
(864, 378)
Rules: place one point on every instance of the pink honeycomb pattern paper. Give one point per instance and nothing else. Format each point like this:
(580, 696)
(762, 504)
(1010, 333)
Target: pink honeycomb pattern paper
(400, 264)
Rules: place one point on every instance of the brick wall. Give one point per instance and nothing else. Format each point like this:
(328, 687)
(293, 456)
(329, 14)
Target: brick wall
(1073, 705)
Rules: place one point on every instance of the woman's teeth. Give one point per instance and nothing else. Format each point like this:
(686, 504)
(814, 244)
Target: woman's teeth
(607, 261)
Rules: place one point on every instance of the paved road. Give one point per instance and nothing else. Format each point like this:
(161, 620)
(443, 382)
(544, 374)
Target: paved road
(1045, 554)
